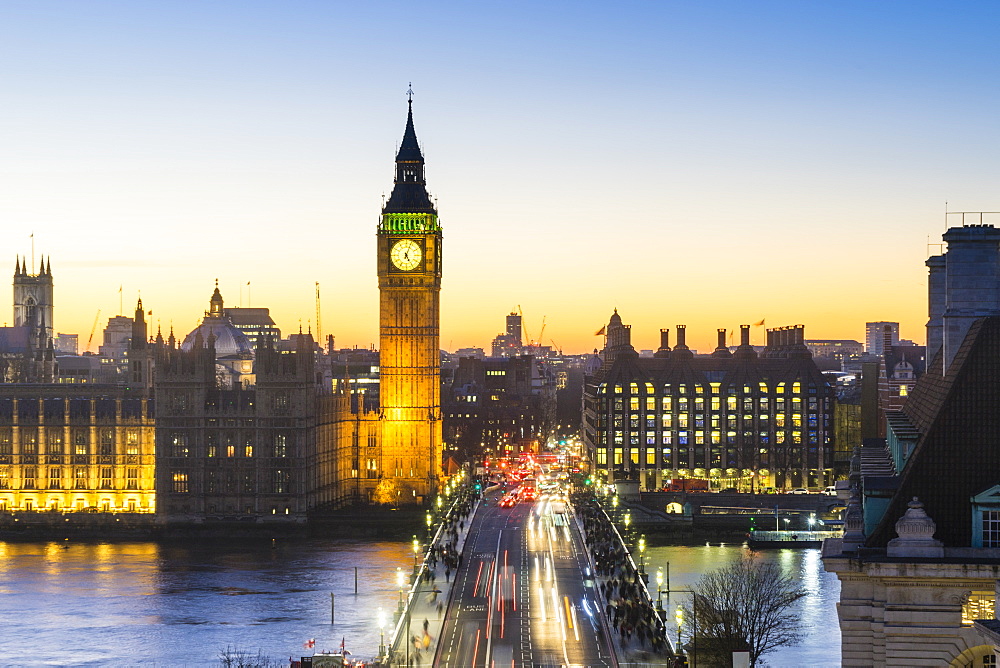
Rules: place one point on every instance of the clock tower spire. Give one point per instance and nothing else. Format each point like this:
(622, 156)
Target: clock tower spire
(409, 278)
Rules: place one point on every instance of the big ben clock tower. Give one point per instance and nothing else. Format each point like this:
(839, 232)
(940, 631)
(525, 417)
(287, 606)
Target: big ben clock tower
(409, 281)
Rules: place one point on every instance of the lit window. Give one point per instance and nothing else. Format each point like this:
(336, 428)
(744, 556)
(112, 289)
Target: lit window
(903, 391)
(180, 482)
(979, 605)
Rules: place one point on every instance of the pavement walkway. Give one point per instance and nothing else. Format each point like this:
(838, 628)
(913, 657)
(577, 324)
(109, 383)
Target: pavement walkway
(630, 653)
(416, 636)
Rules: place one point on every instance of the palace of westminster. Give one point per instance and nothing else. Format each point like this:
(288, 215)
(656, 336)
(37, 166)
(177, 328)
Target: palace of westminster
(228, 423)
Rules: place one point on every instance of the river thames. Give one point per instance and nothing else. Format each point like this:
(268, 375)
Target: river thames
(152, 604)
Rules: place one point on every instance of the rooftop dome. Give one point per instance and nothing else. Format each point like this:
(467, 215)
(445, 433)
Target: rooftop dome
(229, 341)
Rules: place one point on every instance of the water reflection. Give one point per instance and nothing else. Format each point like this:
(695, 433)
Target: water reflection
(147, 604)
(820, 644)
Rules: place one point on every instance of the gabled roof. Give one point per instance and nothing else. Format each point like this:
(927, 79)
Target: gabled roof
(958, 452)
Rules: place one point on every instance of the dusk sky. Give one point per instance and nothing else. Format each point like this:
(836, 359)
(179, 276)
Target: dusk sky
(698, 163)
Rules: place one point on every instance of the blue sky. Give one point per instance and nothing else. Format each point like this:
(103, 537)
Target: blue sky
(701, 163)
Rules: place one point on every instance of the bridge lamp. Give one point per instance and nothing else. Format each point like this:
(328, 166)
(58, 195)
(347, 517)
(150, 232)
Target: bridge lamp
(400, 581)
(416, 551)
(642, 549)
(380, 616)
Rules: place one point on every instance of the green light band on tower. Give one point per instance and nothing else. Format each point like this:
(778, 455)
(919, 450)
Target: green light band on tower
(409, 222)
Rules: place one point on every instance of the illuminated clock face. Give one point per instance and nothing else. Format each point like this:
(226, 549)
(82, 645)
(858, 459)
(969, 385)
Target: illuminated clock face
(406, 254)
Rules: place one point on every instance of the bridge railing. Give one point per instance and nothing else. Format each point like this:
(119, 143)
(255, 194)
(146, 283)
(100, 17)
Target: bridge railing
(400, 632)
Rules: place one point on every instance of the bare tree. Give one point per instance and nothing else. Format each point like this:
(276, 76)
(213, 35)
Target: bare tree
(238, 657)
(745, 606)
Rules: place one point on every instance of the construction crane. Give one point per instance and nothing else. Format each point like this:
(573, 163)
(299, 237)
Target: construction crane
(528, 341)
(94, 328)
(524, 329)
(319, 325)
(556, 346)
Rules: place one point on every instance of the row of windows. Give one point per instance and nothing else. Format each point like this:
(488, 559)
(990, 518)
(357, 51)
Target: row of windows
(55, 441)
(715, 403)
(78, 478)
(698, 419)
(669, 457)
(715, 437)
(280, 483)
(712, 388)
(179, 446)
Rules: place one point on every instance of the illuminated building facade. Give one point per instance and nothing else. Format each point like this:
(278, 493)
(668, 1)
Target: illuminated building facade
(86, 448)
(409, 278)
(740, 419)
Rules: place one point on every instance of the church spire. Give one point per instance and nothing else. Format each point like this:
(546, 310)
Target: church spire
(409, 194)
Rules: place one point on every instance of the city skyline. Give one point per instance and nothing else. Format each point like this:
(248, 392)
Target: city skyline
(708, 166)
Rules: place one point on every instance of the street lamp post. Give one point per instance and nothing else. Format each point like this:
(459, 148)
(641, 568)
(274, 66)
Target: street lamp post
(381, 632)
(679, 616)
(400, 579)
(659, 589)
(416, 551)
(429, 521)
(642, 549)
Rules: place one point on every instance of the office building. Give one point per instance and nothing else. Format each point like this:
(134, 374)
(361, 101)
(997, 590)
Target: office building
(878, 334)
(737, 419)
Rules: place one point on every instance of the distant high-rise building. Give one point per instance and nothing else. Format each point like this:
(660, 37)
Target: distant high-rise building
(510, 343)
(875, 336)
(514, 327)
(256, 323)
(67, 343)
